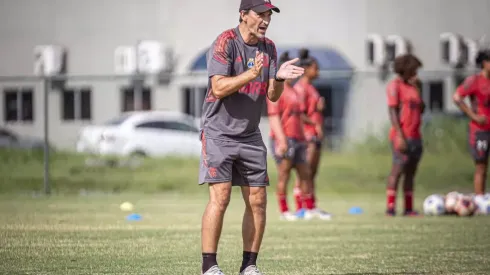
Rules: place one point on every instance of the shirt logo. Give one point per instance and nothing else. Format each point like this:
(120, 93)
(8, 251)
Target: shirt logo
(250, 63)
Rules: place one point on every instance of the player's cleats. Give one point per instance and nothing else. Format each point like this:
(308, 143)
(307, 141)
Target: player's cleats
(288, 216)
(214, 270)
(390, 213)
(322, 215)
(251, 270)
(411, 213)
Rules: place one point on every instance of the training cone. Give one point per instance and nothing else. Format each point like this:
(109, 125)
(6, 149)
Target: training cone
(356, 210)
(134, 217)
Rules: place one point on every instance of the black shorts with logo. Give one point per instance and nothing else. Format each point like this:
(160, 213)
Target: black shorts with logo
(296, 151)
(413, 154)
(479, 145)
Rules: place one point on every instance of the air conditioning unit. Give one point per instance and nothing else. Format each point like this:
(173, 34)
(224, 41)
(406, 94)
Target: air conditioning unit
(452, 49)
(153, 57)
(376, 50)
(125, 60)
(396, 46)
(49, 60)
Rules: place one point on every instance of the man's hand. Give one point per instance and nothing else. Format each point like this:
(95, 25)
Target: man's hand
(320, 104)
(290, 71)
(258, 63)
(319, 131)
(281, 147)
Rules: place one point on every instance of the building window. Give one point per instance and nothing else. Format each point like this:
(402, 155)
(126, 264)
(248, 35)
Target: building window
(433, 95)
(193, 100)
(132, 100)
(18, 104)
(76, 103)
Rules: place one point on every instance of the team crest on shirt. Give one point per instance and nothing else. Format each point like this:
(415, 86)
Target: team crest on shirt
(250, 63)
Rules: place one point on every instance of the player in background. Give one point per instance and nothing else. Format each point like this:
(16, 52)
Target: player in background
(288, 144)
(313, 128)
(241, 65)
(405, 107)
(477, 88)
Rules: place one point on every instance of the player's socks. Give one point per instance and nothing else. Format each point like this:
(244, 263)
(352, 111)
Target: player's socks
(208, 261)
(297, 198)
(390, 199)
(249, 258)
(283, 203)
(408, 201)
(309, 202)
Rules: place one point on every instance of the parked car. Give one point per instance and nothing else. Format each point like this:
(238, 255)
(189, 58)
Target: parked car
(8, 139)
(143, 133)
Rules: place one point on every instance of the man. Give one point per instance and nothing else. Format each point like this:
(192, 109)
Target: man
(242, 73)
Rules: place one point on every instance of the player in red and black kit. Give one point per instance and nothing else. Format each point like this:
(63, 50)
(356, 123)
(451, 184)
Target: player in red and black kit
(313, 126)
(477, 88)
(289, 144)
(405, 107)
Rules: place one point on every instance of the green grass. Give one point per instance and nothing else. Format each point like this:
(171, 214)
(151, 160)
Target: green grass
(80, 229)
(89, 235)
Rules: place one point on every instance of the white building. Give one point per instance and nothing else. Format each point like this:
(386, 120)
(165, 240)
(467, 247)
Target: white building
(91, 30)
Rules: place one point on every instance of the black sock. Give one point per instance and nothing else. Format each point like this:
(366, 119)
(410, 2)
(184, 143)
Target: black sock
(249, 258)
(208, 261)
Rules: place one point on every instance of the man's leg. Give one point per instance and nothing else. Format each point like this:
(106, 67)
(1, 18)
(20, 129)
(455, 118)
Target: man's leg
(212, 222)
(253, 226)
(251, 174)
(216, 170)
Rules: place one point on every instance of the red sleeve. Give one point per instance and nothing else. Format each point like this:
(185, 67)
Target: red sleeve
(468, 87)
(312, 103)
(393, 94)
(273, 107)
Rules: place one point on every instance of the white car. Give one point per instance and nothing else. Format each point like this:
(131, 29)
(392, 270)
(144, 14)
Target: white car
(143, 133)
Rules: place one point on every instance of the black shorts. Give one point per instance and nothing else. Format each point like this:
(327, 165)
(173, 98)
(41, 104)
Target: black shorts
(413, 154)
(317, 141)
(296, 151)
(479, 144)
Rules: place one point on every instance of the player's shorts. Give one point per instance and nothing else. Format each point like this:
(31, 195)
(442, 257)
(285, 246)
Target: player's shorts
(415, 150)
(296, 151)
(315, 140)
(479, 142)
(244, 164)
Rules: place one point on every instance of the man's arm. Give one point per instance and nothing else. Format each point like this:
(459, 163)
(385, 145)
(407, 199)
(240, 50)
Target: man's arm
(275, 90)
(393, 108)
(276, 127)
(395, 120)
(224, 86)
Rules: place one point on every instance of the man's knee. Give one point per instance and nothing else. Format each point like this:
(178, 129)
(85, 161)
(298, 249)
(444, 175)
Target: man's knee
(257, 200)
(219, 194)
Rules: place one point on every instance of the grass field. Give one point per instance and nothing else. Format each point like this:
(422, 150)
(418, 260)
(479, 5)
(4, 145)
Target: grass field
(81, 230)
(89, 235)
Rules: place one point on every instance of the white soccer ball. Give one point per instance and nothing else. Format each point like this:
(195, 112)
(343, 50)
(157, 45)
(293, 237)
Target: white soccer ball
(465, 206)
(434, 205)
(482, 204)
(451, 200)
(126, 206)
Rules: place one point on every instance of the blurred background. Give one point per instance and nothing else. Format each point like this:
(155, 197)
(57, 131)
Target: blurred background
(70, 71)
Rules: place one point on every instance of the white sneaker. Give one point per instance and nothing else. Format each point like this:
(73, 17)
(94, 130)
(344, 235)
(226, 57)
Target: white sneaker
(322, 215)
(288, 216)
(214, 270)
(251, 270)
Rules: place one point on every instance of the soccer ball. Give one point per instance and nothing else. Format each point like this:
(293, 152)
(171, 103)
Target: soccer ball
(434, 205)
(451, 200)
(465, 206)
(482, 204)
